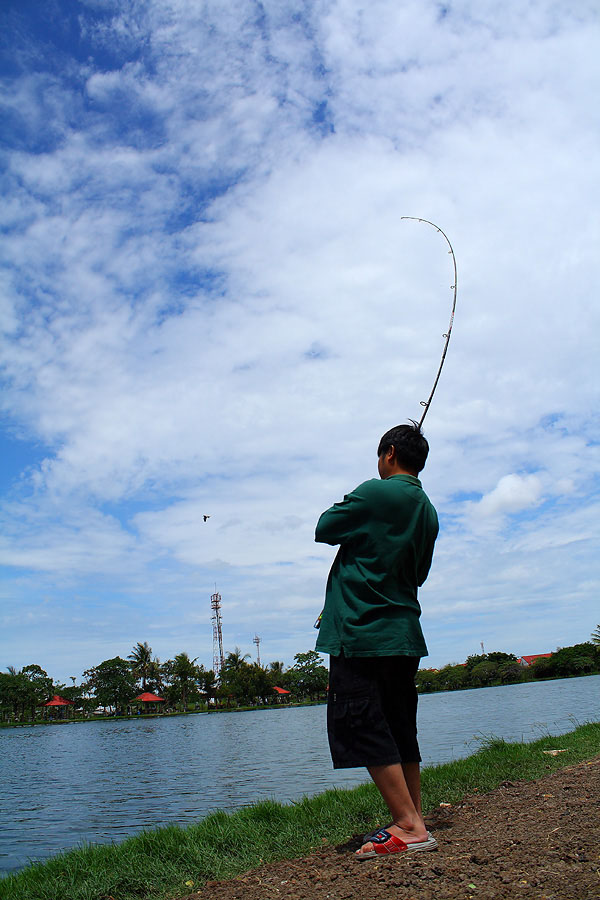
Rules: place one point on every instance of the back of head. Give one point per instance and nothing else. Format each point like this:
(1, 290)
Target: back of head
(411, 447)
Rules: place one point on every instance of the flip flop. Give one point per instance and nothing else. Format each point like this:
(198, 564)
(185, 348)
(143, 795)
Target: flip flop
(369, 837)
(385, 843)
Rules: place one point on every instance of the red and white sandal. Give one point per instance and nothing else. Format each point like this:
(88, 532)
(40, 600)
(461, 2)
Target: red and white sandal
(385, 843)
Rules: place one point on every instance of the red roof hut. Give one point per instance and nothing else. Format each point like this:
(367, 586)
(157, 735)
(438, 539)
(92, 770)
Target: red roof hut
(59, 702)
(146, 697)
(282, 692)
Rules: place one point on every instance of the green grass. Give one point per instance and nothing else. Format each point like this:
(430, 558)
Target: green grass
(169, 862)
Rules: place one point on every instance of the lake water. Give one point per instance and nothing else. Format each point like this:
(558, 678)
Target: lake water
(103, 781)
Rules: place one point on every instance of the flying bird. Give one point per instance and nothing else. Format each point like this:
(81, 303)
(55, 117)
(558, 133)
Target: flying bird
(205, 518)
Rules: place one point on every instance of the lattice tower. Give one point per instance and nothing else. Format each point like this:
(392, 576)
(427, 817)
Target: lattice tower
(257, 642)
(218, 659)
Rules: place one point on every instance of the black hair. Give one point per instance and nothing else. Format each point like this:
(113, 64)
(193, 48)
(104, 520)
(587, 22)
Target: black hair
(410, 445)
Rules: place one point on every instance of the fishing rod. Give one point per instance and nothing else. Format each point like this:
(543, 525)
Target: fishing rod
(426, 403)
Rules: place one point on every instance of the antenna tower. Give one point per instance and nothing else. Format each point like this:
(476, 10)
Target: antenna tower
(256, 640)
(218, 659)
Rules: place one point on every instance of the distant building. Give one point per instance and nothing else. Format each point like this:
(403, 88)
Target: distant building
(528, 660)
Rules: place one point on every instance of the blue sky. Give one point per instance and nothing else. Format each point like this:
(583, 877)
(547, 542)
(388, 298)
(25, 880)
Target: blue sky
(210, 304)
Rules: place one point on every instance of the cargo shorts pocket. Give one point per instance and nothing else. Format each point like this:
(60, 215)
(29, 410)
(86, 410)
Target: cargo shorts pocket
(352, 711)
(353, 723)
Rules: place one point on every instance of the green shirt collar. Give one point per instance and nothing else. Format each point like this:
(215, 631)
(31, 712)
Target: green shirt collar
(412, 479)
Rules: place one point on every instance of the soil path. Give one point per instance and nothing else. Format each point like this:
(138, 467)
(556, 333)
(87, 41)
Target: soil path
(538, 840)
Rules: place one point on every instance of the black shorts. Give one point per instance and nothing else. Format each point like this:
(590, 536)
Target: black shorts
(372, 711)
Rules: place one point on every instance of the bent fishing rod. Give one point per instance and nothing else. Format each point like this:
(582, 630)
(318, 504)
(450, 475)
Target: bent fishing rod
(453, 287)
(427, 403)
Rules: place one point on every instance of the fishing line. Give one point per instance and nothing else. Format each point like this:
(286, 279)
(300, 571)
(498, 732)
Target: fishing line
(427, 403)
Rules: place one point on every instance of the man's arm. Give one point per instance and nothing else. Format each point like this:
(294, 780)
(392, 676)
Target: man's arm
(424, 566)
(339, 523)
(427, 557)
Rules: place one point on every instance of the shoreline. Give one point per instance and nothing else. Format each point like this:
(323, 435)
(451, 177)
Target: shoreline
(188, 712)
(549, 851)
(159, 863)
(264, 706)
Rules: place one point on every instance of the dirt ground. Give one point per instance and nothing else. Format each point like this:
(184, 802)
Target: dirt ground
(538, 840)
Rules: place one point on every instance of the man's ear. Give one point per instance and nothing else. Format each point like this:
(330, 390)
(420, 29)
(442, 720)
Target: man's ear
(391, 454)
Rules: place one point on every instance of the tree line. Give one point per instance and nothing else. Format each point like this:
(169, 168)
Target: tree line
(182, 682)
(185, 684)
(487, 669)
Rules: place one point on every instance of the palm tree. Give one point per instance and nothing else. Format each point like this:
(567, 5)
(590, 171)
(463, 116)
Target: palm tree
(154, 676)
(276, 674)
(235, 659)
(596, 635)
(183, 674)
(141, 660)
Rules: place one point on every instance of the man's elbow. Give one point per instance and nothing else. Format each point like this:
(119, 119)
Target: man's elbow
(321, 537)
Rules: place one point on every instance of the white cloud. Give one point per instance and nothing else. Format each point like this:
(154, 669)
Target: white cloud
(513, 493)
(211, 304)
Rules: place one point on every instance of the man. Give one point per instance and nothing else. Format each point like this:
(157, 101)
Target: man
(370, 626)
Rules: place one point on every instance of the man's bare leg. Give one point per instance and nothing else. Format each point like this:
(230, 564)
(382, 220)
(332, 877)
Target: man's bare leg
(400, 787)
(412, 776)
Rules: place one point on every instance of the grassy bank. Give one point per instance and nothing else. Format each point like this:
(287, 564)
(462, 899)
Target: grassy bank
(172, 861)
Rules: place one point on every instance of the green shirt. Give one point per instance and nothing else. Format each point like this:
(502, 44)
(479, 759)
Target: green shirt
(386, 530)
